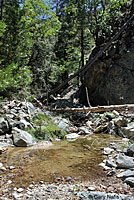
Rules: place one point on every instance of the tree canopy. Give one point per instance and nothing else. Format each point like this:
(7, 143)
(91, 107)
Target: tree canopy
(41, 43)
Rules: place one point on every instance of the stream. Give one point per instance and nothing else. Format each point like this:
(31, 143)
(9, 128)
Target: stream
(46, 162)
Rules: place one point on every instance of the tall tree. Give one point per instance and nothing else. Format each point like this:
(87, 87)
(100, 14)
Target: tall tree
(25, 21)
(73, 36)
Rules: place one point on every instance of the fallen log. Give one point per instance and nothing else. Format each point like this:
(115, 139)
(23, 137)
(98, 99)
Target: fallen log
(125, 107)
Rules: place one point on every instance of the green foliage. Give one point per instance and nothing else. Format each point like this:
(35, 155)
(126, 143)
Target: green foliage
(15, 78)
(46, 129)
(53, 39)
(2, 28)
(39, 18)
(24, 22)
(103, 18)
(42, 64)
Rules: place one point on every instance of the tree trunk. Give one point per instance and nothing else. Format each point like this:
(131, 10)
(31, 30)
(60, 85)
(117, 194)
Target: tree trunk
(92, 61)
(1, 9)
(82, 46)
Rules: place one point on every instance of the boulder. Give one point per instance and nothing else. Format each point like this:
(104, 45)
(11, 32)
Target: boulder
(126, 132)
(91, 195)
(110, 163)
(130, 150)
(120, 121)
(4, 127)
(110, 79)
(23, 124)
(22, 138)
(130, 181)
(130, 125)
(126, 174)
(62, 123)
(30, 106)
(125, 162)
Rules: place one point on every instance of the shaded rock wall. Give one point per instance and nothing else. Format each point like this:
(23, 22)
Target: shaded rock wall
(110, 80)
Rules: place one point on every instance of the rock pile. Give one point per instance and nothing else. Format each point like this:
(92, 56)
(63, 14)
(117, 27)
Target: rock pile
(120, 124)
(120, 161)
(14, 120)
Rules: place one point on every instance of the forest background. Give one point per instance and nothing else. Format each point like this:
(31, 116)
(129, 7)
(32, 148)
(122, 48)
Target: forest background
(42, 43)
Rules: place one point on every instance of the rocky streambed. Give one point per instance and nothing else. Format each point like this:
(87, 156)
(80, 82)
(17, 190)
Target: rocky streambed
(84, 166)
(63, 170)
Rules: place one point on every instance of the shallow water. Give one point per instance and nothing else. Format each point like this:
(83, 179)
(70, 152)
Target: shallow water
(78, 159)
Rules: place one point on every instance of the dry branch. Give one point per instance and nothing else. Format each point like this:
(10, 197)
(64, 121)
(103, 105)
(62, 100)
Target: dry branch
(125, 107)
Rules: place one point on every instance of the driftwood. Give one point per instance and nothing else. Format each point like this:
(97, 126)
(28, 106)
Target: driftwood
(81, 71)
(125, 107)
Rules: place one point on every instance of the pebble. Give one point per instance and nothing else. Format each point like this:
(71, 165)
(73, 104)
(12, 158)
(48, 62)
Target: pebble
(111, 173)
(31, 186)
(107, 151)
(9, 182)
(17, 196)
(11, 167)
(92, 188)
(110, 189)
(3, 169)
(69, 178)
(41, 182)
(20, 190)
(1, 165)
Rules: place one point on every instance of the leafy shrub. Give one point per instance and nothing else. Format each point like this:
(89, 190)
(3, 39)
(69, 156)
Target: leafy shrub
(46, 129)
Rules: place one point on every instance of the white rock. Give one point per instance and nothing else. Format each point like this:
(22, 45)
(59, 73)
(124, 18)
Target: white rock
(9, 182)
(16, 195)
(125, 139)
(31, 186)
(107, 151)
(15, 189)
(1, 165)
(115, 113)
(107, 168)
(3, 169)
(92, 188)
(20, 190)
(89, 123)
(72, 136)
(102, 164)
(11, 167)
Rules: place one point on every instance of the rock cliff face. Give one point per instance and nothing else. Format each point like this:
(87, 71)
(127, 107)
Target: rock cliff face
(111, 79)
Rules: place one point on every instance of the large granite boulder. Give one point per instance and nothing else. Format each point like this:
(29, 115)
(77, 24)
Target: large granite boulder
(102, 196)
(22, 138)
(125, 162)
(110, 80)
